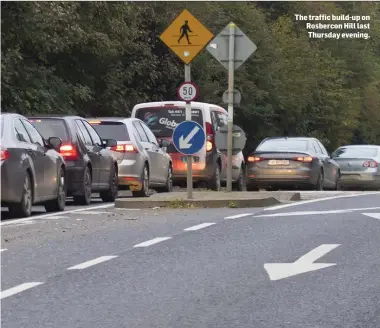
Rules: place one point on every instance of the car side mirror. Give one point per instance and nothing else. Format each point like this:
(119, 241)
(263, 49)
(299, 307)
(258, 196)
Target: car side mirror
(54, 143)
(109, 143)
(164, 143)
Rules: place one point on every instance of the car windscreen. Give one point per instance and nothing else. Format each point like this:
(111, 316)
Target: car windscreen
(51, 127)
(283, 145)
(163, 120)
(355, 152)
(111, 130)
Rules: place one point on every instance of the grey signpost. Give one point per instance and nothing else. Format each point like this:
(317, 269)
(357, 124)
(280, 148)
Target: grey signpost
(231, 47)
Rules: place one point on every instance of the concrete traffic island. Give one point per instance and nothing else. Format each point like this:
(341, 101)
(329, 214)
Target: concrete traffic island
(210, 199)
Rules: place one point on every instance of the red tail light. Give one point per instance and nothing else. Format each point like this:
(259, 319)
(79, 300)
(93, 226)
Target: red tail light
(371, 164)
(4, 154)
(209, 137)
(125, 148)
(69, 152)
(254, 159)
(304, 159)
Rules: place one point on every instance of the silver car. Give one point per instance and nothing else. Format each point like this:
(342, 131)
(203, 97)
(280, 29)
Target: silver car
(32, 171)
(359, 165)
(143, 162)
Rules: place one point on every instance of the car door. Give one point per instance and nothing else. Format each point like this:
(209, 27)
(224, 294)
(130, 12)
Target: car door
(328, 165)
(105, 157)
(45, 163)
(91, 151)
(151, 150)
(218, 121)
(160, 159)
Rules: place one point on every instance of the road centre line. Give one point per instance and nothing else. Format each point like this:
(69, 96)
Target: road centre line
(2, 250)
(18, 289)
(90, 263)
(297, 203)
(232, 217)
(199, 226)
(44, 216)
(152, 241)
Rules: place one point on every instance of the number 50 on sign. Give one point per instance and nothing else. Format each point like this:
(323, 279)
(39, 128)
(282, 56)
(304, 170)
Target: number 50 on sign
(187, 91)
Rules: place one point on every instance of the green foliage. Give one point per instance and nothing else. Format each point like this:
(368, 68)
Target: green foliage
(101, 58)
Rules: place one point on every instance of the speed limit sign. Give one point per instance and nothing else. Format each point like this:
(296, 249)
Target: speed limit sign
(187, 91)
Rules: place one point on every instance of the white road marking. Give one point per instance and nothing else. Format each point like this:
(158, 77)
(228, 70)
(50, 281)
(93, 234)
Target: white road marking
(303, 213)
(278, 207)
(2, 250)
(93, 212)
(199, 226)
(232, 217)
(44, 216)
(373, 215)
(152, 241)
(90, 263)
(57, 217)
(19, 289)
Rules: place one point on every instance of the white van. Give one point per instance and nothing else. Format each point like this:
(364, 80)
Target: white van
(209, 164)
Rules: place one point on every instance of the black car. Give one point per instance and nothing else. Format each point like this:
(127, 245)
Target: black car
(90, 166)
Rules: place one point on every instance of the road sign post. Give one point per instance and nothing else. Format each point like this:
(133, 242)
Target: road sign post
(231, 47)
(189, 158)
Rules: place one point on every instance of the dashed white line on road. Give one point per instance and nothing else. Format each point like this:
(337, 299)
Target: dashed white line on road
(232, 217)
(90, 263)
(373, 215)
(93, 212)
(3, 249)
(199, 226)
(152, 241)
(19, 289)
(303, 213)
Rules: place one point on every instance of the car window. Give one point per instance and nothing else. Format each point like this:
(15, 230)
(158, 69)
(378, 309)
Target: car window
(316, 148)
(33, 133)
(324, 151)
(93, 134)
(83, 133)
(20, 132)
(219, 120)
(283, 145)
(149, 134)
(356, 152)
(140, 131)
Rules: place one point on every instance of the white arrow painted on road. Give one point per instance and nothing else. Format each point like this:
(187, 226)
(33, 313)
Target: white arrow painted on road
(373, 215)
(277, 271)
(184, 142)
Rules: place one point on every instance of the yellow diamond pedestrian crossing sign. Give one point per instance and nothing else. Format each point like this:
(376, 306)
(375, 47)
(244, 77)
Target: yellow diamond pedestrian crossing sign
(186, 36)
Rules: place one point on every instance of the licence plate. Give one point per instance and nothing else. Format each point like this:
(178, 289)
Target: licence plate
(278, 162)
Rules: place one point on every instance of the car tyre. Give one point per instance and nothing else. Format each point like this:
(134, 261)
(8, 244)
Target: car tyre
(319, 185)
(215, 182)
(85, 199)
(144, 192)
(169, 182)
(24, 208)
(58, 204)
(241, 184)
(110, 195)
(338, 182)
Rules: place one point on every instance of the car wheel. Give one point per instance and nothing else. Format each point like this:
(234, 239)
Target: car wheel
(24, 208)
(215, 183)
(144, 192)
(111, 194)
(338, 182)
(169, 182)
(319, 185)
(85, 199)
(58, 204)
(240, 184)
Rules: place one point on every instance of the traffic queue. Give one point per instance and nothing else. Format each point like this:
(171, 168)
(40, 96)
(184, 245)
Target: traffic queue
(47, 158)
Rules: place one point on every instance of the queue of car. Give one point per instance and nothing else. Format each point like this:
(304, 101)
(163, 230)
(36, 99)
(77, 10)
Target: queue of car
(46, 158)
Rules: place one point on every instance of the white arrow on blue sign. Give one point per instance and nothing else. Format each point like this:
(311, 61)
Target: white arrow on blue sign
(189, 137)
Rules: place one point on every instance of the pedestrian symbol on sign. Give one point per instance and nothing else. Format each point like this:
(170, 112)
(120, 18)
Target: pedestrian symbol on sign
(184, 30)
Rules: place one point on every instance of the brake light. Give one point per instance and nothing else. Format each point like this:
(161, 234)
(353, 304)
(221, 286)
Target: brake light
(4, 154)
(371, 164)
(125, 148)
(69, 152)
(304, 159)
(94, 122)
(209, 137)
(254, 159)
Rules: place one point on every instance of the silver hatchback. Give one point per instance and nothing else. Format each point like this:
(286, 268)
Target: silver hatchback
(143, 162)
(359, 166)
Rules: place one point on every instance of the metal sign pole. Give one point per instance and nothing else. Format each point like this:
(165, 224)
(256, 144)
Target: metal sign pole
(231, 70)
(189, 158)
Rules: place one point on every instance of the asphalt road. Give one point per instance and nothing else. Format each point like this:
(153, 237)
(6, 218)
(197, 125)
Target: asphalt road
(145, 268)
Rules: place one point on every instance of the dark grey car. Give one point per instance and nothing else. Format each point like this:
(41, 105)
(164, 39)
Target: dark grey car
(292, 162)
(32, 171)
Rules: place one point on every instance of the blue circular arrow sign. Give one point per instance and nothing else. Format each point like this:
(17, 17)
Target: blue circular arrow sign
(189, 137)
